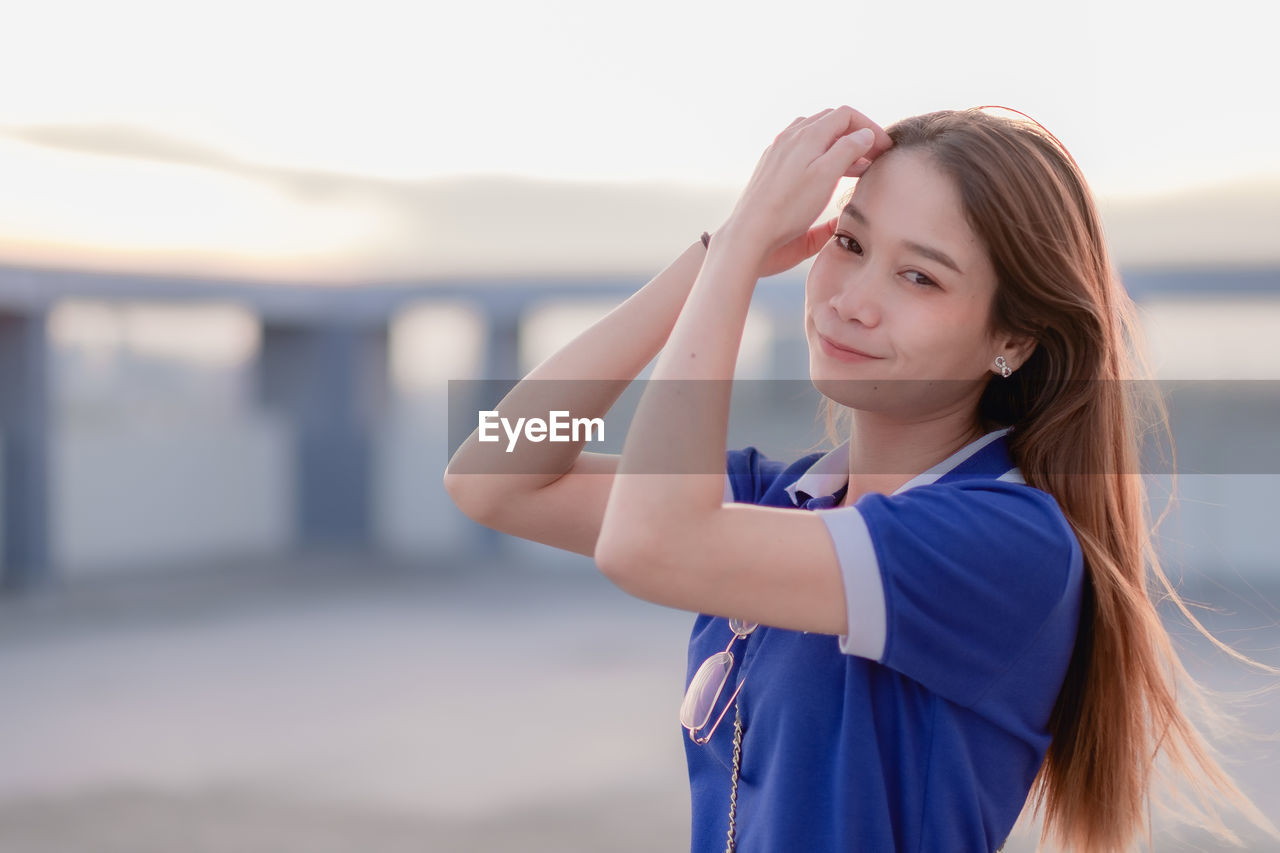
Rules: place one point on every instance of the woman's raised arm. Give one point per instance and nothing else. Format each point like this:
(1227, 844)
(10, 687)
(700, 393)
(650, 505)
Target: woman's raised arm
(610, 354)
(553, 492)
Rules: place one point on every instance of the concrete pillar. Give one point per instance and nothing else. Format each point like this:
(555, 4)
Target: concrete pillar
(24, 438)
(331, 380)
(502, 347)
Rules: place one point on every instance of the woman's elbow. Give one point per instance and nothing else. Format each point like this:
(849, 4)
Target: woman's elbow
(647, 557)
(469, 500)
(621, 559)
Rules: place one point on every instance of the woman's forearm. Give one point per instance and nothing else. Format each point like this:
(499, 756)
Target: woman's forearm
(603, 360)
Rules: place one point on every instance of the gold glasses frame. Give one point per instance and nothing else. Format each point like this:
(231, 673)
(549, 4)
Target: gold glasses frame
(708, 683)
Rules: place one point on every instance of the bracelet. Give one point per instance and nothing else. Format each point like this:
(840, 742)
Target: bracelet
(706, 239)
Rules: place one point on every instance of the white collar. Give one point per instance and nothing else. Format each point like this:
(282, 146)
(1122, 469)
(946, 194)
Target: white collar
(831, 471)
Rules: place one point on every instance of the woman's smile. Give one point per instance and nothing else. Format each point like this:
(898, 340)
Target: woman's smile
(842, 354)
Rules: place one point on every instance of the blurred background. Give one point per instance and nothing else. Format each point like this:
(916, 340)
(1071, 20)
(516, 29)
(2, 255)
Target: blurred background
(245, 247)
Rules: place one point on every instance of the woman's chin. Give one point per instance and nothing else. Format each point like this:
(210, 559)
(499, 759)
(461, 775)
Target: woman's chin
(853, 392)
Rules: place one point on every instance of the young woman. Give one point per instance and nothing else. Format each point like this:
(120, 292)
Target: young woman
(961, 624)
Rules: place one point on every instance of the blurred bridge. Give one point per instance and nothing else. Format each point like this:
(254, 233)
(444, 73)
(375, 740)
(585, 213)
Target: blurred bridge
(322, 458)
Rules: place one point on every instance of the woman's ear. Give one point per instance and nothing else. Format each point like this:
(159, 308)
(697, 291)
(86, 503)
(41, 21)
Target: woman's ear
(1017, 349)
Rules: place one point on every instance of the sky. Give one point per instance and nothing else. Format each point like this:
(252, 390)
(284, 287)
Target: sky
(340, 140)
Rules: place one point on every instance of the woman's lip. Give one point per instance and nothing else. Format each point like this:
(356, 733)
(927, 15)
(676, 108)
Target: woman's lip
(843, 352)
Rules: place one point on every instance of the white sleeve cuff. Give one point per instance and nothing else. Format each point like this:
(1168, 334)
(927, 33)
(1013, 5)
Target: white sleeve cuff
(863, 589)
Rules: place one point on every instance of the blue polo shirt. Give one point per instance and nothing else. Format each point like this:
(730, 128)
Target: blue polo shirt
(922, 732)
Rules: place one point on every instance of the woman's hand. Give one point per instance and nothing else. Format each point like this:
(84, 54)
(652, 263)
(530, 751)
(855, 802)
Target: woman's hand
(794, 182)
(796, 250)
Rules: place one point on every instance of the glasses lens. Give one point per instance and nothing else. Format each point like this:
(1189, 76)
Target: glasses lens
(704, 690)
(741, 628)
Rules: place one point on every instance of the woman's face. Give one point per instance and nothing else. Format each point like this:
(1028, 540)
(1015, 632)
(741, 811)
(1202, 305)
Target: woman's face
(905, 280)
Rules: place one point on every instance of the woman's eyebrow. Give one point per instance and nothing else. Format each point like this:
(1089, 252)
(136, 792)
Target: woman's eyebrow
(935, 254)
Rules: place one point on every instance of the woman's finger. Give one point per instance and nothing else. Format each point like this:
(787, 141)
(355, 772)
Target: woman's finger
(859, 166)
(845, 151)
(818, 236)
(794, 123)
(830, 128)
(858, 120)
(804, 246)
(805, 121)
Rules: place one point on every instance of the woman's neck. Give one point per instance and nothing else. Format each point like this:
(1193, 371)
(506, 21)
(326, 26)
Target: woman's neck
(886, 453)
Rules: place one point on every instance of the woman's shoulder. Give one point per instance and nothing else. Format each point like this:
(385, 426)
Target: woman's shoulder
(1012, 494)
(1005, 496)
(989, 519)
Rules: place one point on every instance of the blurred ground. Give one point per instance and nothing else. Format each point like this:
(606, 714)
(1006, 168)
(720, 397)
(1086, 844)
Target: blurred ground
(338, 703)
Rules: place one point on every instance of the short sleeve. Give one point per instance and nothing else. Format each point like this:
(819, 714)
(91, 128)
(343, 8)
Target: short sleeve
(970, 572)
(860, 575)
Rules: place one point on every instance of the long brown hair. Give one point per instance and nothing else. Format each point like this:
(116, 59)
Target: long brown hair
(1078, 409)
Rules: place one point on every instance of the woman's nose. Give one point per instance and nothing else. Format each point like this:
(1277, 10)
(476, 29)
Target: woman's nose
(856, 298)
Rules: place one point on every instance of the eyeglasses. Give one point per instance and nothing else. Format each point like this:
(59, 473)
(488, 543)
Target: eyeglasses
(707, 685)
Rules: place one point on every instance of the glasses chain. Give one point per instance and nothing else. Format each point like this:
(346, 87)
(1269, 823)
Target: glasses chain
(737, 766)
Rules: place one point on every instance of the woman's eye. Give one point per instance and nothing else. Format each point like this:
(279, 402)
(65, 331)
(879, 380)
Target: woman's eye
(924, 280)
(839, 237)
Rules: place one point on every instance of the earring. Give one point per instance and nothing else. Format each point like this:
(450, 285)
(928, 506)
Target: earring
(1005, 370)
